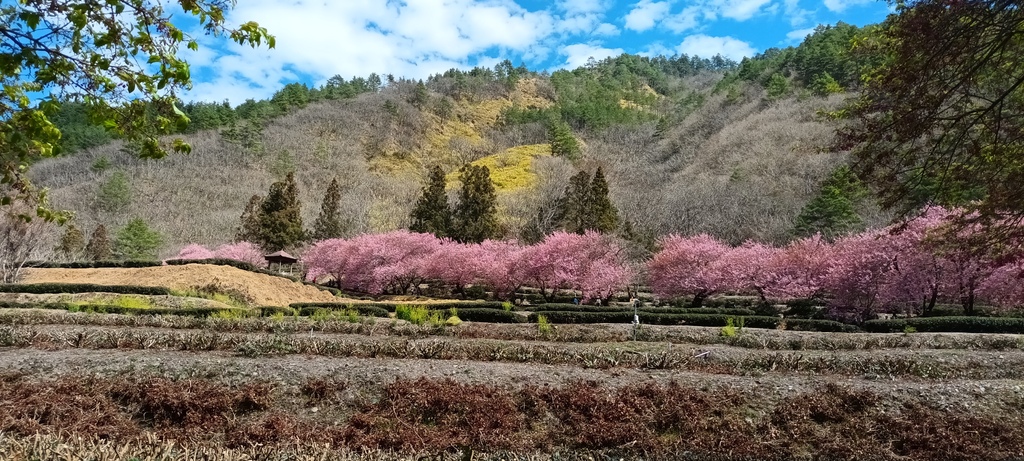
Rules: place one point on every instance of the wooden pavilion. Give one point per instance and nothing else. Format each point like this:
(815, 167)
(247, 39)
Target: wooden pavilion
(285, 262)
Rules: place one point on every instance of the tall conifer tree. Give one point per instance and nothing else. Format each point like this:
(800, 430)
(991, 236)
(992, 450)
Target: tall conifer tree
(476, 214)
(281, 216)
(563, 143)
(249, 228)
(604, 216)
(328, 223)
(573, 209)
(432, 213)
(586, 206)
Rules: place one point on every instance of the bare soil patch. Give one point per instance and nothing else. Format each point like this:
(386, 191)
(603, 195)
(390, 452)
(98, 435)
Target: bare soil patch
(258, 289)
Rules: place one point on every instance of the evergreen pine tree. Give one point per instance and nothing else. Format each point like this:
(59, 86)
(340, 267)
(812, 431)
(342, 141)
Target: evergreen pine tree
(833, 212)
(563, 143)
(72, 243)
(476, 214)
(281, 216)
(328, 223)
(573, 210)
(603, 215)
(432, 213)
(420, 96)
(585, 204)
(249, 228)
(98, 248)
(136, 241)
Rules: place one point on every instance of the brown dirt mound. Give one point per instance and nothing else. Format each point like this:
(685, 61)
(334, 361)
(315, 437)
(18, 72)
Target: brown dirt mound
(259, 289)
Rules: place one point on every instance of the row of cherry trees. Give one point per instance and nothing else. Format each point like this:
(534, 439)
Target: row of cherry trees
(400, 262)
(240, 251)
(905, 269)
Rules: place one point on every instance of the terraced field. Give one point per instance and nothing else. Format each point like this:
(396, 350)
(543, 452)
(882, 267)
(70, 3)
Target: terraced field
(108, 386)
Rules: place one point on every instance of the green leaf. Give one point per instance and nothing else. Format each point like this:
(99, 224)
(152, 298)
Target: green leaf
(31, 19)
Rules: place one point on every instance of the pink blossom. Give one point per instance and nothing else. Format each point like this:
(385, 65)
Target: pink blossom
(242, 251)
(689, 266)
(194, 251)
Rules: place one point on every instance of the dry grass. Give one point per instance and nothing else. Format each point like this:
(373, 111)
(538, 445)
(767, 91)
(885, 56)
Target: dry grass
(256, 289)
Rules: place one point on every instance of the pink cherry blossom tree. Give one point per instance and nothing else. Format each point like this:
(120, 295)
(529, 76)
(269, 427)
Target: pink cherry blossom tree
(591, 263)
(748, 268)
(194, 251)
(798, 270)
(452, 265)
(372, 263)
(500, 265)
(856, 274)
(242, 251)
(1004, 287)
(689, 266)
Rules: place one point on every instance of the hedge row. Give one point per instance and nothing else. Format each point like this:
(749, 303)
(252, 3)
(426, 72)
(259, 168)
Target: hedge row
(392, 306)
(218, 262)
(707, 320)
(91, 264)
(948, 325)
(643, 310)
(56, 288)
(361, 309)
(488, 315)
(110, 309)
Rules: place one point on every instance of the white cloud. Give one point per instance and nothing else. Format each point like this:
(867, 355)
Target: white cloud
(581, 16)
(583, 6)
(657, 49)
(684, 20)
(697, 13)
(608, 30)
(645, 15)
(798, 36)
(320, 39)
(838, 6)
(578, 23)
(578, 54)
(797, 16)
(741, 10)
(707, 46)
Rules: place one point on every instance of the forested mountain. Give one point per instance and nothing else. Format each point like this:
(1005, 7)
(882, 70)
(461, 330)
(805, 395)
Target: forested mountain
(686, 145)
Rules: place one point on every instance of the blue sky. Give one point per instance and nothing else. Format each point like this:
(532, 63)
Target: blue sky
(317, 39)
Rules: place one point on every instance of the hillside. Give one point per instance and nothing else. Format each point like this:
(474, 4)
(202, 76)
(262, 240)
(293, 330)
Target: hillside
(686, 149)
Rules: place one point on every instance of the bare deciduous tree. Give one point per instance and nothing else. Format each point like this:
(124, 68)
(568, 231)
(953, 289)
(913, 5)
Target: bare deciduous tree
(20, 241)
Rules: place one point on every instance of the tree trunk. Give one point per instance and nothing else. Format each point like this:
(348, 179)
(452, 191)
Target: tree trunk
(698, 300)
(929, 304)
(968, 303)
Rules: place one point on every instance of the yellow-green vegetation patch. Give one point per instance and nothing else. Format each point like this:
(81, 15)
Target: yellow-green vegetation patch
(513, 169)
(132, 302)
